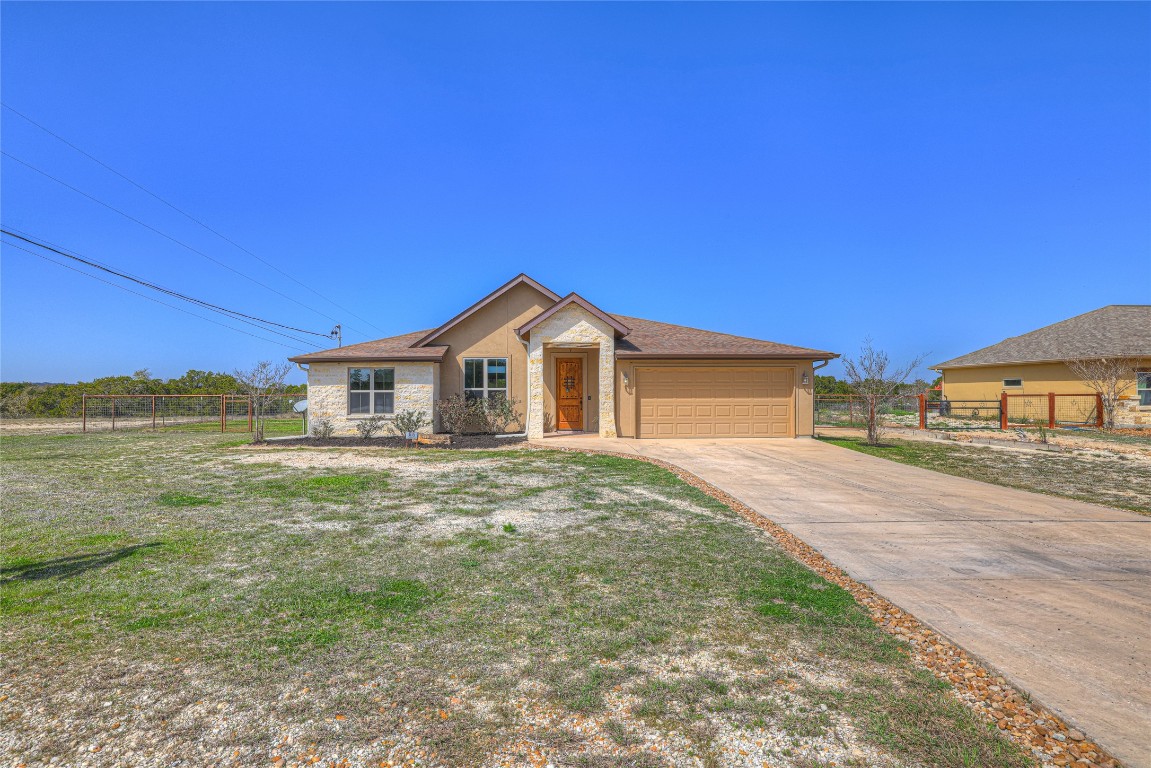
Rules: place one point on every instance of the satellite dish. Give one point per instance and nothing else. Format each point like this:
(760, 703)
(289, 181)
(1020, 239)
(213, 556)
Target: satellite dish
(300, 406)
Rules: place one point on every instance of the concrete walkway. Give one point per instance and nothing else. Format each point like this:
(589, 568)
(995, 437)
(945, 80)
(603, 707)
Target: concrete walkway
(1053, 593)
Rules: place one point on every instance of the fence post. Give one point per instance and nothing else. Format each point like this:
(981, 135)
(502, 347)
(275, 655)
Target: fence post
(153, 413)
(223, 411)
(1003, 411)
(250, 404)
(1099, 410)
(923, 411)
(851, 410)
(113, 414)
(84, 413)
(1051, 410)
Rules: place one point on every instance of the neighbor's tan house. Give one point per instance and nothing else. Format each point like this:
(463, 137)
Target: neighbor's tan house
(1036, 362)
(572, 366)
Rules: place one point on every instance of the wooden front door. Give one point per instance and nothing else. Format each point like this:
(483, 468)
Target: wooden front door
(569, 393)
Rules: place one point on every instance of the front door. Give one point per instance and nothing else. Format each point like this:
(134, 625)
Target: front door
(569, 393)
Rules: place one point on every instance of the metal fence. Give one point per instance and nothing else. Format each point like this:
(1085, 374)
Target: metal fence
(851, 411)
(1052, 410)
(222, 413)
(919, 412)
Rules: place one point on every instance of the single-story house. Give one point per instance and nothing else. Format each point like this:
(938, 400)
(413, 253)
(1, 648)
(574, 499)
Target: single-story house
(1036, 362)
(571, 366)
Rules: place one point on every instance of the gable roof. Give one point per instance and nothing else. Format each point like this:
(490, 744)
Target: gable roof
(649, 338)
(520, 279)
(621, 330)
(398, 348)
(1118, 330)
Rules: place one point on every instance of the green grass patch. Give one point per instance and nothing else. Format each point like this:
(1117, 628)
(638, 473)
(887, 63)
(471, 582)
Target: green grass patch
(172, 499)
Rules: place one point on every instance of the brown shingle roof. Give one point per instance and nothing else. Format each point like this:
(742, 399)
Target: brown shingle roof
(651, 339)
(397, 348)
(1119, 330)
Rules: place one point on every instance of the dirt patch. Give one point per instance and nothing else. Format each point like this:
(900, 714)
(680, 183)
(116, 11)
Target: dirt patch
(457, 442)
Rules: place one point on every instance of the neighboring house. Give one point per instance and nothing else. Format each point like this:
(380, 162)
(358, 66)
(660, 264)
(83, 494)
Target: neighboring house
(573, 367)
(1035, 363)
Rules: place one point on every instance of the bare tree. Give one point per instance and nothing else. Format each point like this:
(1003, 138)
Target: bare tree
(260, 383)
(873, 377)
(1109, 377)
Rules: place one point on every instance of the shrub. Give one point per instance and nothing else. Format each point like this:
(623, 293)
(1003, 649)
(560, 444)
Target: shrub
(323, 428)
(461, 416)
(498, 413)
(408, 421)
(369, 427)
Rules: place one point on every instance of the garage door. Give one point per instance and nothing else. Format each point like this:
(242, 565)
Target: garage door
(715, 402)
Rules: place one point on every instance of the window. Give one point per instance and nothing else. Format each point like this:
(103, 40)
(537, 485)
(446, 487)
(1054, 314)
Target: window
(485, 377)
(371, 390)
(1143, 387)
(1012, 383)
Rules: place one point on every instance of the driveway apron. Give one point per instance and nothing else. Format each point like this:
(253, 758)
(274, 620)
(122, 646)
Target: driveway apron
(1053, 593)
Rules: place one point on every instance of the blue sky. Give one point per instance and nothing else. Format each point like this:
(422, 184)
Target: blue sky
(935, 176)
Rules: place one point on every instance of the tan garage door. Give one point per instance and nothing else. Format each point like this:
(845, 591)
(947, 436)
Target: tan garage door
(716, 402)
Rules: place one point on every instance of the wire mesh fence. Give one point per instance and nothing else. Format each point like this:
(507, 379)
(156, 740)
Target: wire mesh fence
(851, 411)
(202, 413)
(918, 411)
(1053, 410)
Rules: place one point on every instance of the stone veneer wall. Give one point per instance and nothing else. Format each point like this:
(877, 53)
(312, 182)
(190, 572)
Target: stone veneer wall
(572, 326)
(416, 390)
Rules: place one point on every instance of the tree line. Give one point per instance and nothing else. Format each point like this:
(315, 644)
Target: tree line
(829, 385)
(31, 400)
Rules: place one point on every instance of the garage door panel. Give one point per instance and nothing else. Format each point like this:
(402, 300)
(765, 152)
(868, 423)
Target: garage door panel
(717, 401)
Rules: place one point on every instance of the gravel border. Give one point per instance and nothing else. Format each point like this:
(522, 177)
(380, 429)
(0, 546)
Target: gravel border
(1019, 718)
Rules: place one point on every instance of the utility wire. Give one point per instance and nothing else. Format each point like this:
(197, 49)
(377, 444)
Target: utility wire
(163, 234)
(185, 214)
(251, 319)
(152, 298)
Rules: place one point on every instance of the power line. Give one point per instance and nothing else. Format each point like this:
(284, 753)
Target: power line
(152, 298)
(163, 234)
(185, 214)
(235, 314)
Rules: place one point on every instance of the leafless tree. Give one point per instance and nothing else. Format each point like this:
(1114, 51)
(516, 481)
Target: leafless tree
(1109, 377)
(260, 383)
(873, 377)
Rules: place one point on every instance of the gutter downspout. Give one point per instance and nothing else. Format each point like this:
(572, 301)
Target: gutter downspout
(814, 368)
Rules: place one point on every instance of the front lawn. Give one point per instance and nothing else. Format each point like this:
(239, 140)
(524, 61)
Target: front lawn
(177, 597)
(1113, 479)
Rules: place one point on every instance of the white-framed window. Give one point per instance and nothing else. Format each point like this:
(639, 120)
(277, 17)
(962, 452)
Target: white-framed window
(1012, 383)
(371, 390)
(1143, 387)
(485, 377)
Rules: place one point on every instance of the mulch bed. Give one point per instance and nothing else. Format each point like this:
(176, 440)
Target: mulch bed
(1019, 718)
(456, 443)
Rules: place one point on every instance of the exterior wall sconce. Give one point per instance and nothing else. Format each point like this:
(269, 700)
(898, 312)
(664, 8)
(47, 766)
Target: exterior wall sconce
(626, 379)
(805, 380)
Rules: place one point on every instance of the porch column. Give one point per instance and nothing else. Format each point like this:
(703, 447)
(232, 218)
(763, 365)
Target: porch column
(607, 385)
(535, 405)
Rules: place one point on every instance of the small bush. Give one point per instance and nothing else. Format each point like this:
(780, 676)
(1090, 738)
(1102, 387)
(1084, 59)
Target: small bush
(461, 416)
(323, 428)
(408, 421)
(368, 428)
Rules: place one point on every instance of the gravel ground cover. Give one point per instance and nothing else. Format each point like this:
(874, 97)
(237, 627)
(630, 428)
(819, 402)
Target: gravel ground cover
(186, 600)
(1116, 475)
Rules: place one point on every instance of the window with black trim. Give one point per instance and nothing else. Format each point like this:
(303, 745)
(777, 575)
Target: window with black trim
(371, 390)
(485, 377)
(1143, 387)
(1012, 383)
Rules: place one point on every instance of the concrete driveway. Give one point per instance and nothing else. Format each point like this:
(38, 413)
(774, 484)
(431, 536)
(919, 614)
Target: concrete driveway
(1053, 593)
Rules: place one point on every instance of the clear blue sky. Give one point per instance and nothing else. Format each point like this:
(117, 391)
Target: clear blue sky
(936, 176)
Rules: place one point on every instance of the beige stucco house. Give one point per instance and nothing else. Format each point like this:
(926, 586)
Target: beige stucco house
(1035, 363)
(571, 366)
